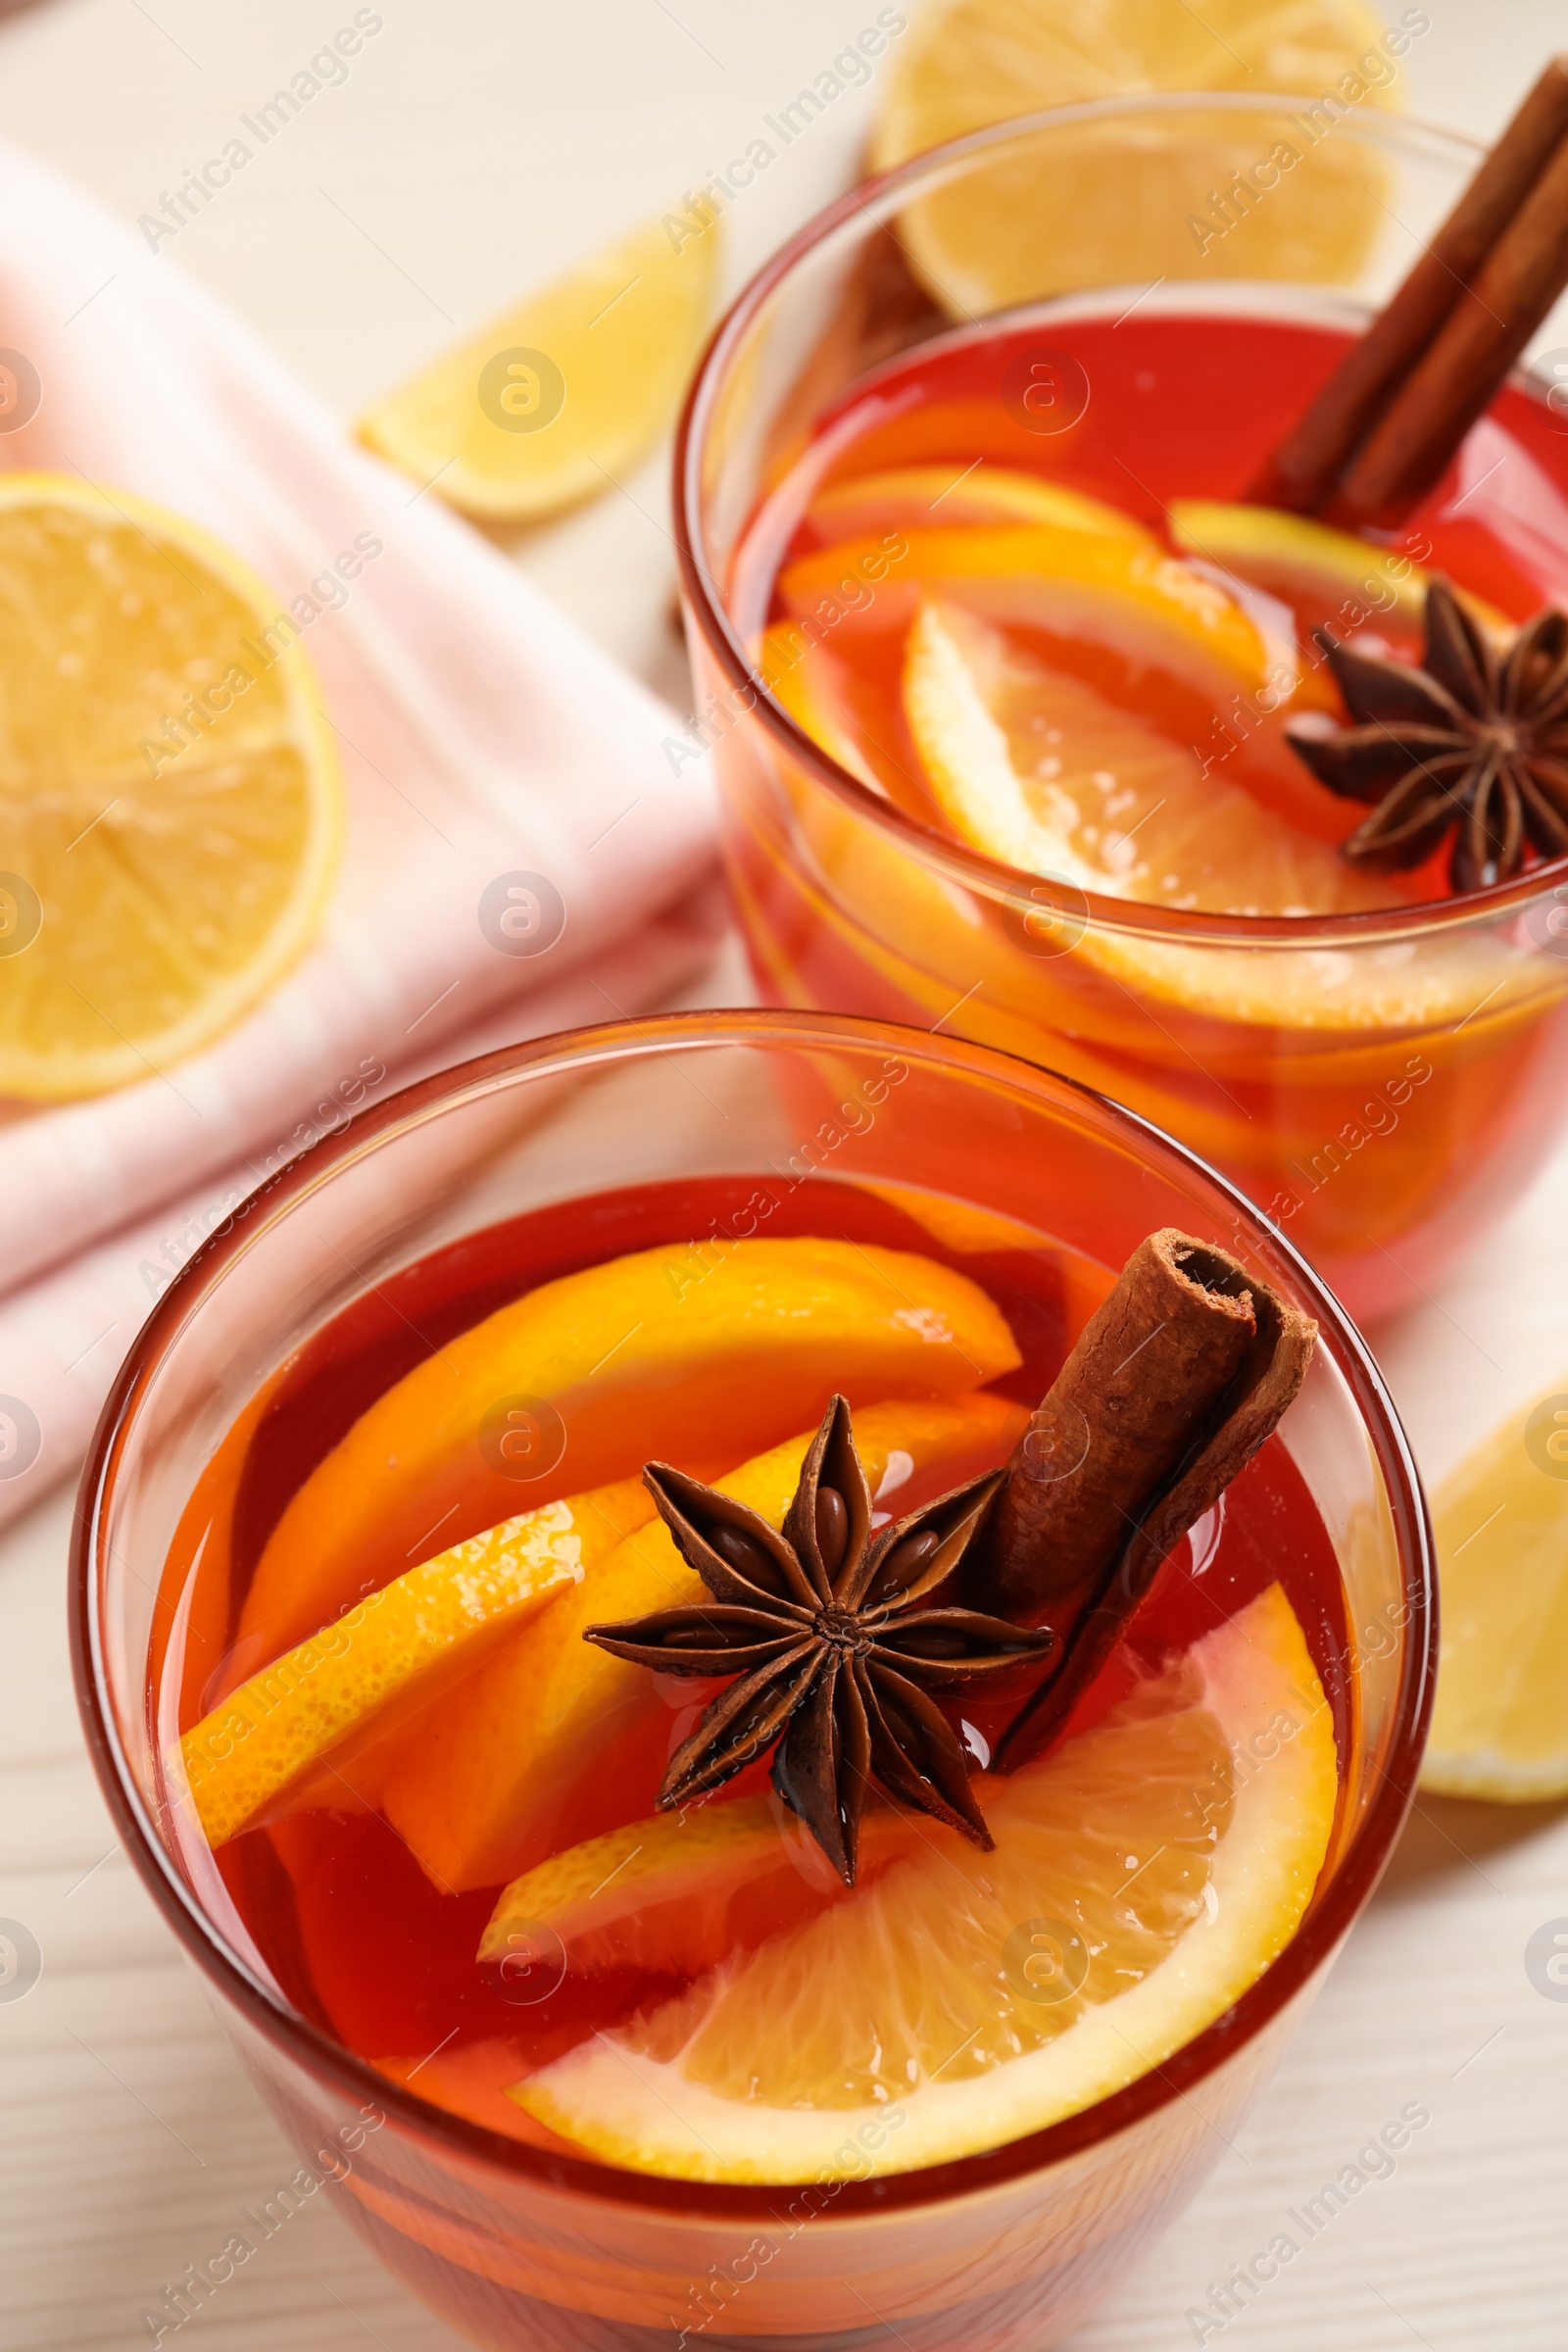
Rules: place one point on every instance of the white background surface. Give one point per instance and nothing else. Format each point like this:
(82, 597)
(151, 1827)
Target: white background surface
(477, 147)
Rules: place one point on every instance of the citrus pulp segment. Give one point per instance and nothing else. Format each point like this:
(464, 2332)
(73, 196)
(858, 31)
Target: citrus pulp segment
(168, 795)
(1144, 1875)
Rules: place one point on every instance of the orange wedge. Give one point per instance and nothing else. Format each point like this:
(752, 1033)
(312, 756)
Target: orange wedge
(1128, 814)
(479, 1796)
(1144, 1874)
(618, 1364)
(297, 1731)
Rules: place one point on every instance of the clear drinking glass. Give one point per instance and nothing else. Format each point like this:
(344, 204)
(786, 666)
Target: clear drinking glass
(521, 2247)
(1383, 1084)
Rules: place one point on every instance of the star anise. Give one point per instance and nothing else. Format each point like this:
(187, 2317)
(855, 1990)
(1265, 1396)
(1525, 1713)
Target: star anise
(1473, 740)
(837, 1638)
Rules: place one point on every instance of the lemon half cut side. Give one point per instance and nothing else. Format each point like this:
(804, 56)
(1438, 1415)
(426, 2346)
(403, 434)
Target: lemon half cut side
(1099, 205)
(170, 799)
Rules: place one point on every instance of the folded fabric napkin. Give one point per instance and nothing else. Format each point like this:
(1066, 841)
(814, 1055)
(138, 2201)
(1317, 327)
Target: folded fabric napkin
(480, 734)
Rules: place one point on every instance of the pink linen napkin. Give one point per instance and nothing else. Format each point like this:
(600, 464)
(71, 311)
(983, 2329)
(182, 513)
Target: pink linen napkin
(482, 738)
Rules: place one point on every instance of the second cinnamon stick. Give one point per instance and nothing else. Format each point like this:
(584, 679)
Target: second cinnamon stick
(1172, 1387)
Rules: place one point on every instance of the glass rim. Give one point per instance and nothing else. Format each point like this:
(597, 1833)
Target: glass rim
(958, 861)
(608, 1044)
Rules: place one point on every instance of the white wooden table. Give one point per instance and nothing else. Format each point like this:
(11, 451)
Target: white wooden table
(476, 147)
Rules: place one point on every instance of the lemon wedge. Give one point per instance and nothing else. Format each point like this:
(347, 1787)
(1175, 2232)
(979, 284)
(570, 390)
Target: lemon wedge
(1088, 211)
(1499, 1726)
(170, 803)
(1144, 1874)
(555, 399)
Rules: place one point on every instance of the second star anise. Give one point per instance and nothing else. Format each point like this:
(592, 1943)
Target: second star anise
(1472, 741)
(837, 1636)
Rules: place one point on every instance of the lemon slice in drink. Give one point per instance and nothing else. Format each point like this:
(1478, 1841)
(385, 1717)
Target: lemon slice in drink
(170, 803)
(1088, 211)
(1326, 574)
(1037, 767)
(1144, 1875)
(1042, 772)
(1499, 1727)
(551, 402)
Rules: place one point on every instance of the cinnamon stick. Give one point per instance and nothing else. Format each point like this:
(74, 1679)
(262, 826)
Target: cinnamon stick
(1305, 471)
(1173, 1386)
(1407, 451)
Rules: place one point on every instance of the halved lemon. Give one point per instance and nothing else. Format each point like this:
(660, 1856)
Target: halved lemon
(1144, 1875)
(551, 402)
(1499, 1726)
(1091, 210)
(170, 803)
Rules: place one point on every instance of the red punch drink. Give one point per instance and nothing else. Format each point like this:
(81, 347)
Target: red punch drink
(472, 1887)
(1018, 705)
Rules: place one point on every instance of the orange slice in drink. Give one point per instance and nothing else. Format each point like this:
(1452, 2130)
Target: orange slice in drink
(946, 496)
(305, 1730)
(819, 695)
(480, 1794)
(671, 1894)
(618, 1364)
(1144, 1874)
(1113, 596)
